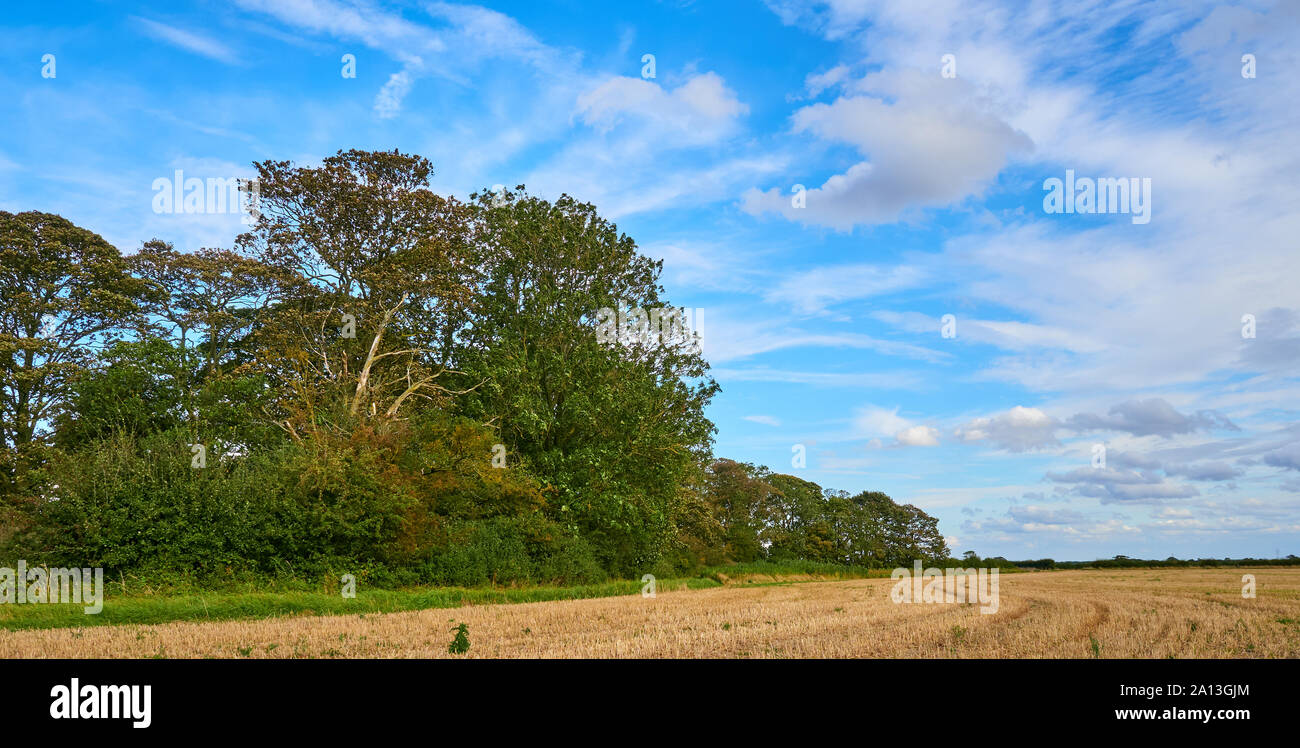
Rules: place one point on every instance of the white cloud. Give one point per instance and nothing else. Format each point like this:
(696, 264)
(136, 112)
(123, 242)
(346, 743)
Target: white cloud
(1111, 485)
(708, 265)
(404, 40)
(815, 83)
(734, 333)
(918, 436)
(468, 36)
(873, 420)
(1017, 430)
(1085, 295)
(388, 102)
(1151, 416)
(812, 290)
(650, 146)
(927, 141)
(190, 41)
(903, 380)
(701, 109)
(1011, 335)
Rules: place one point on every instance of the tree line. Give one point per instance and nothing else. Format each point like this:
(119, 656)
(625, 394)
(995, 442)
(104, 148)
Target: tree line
(380, 380)
(1124, 562)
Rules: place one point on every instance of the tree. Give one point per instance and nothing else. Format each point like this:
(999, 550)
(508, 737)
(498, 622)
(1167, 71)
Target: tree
(64, 294)
(797, 528)
(746, 507)
(617, 429)
(791, 518)
(375, 279)
(207, 302)
(133, 388)
(205, 307)
(700, 536)
(923, 536)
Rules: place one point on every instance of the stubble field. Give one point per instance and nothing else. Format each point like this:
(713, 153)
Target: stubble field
(1133, 613)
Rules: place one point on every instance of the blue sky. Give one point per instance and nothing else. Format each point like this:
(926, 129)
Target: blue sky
(922, 183)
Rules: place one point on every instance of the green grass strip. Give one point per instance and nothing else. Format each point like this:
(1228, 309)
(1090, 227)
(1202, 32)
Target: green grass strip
(166, 606)
(200, 607)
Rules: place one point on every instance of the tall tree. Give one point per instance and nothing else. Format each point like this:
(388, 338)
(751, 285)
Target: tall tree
(746, 505)
(616, 426)
(207, 302)
(205, 306)
(64, 294)
(376, 281)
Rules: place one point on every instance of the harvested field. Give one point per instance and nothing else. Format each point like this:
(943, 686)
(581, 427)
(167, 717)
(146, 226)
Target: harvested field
(1138, 613)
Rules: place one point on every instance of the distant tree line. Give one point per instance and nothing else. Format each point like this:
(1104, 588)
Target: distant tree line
(380, 380)
(1124, 562)
(754, 514)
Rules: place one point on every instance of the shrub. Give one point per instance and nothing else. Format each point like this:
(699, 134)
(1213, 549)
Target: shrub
(410, 503)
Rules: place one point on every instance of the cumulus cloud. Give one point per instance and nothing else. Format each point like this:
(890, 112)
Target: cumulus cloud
(1133, 460)
(1287, 457)
(878, 422)
(1017, 430)
(645, 145)
(1110, 485)
(918, 436)
(1207, 471)
(1064, 523)
(927, 142)
(1101, 309)
(873, 420)
(1150, 417)
(1033, 514)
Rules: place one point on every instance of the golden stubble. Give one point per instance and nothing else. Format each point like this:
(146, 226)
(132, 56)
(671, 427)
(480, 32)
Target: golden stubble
(1133, 613)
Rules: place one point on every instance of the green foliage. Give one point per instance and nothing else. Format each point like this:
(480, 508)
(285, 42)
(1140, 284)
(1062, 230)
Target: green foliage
(617, 429)
(460, 644)
(133, 390)
(745, 505)
(791, 567)
(971, 560)
(373, 497)
(1124, 562)
(511, 551)
(783, 517)
(65, 293)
